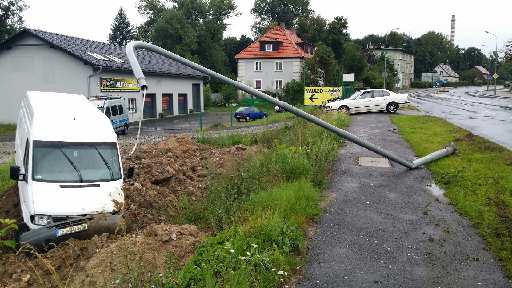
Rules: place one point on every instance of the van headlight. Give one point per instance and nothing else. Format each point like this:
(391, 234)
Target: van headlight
(42, 220)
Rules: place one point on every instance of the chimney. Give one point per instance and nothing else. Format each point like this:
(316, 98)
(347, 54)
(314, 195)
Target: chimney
(452, 32)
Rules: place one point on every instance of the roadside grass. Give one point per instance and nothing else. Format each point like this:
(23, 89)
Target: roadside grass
(7, 129)
(258, 212)
(5, 180)
(273, 117)
(477, 180)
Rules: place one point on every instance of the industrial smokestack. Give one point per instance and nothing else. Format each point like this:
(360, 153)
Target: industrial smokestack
(452, 33)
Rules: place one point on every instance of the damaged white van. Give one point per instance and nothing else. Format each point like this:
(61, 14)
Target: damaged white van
(68, 169)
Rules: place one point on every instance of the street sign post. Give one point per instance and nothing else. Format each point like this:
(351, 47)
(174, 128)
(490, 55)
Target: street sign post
(315, 96)
(495, 76)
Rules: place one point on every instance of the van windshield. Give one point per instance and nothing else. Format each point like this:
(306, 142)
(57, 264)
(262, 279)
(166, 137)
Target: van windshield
(65, 162)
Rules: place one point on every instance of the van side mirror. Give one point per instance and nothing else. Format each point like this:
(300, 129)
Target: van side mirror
(130, 173)
(15, 174)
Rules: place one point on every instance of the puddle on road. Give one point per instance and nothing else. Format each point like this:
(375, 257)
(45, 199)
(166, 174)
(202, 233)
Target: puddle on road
(438, 192)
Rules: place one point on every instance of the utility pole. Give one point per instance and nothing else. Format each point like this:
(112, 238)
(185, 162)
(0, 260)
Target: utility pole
(386, 57)
(495, 60)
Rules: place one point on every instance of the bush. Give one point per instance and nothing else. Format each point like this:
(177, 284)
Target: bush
(421, 84)
(228, 93)
(293, 92)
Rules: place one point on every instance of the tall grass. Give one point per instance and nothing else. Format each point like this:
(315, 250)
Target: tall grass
(5, 180)
(259, 210)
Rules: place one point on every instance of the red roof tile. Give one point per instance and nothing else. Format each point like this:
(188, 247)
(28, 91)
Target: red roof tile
(289, 45)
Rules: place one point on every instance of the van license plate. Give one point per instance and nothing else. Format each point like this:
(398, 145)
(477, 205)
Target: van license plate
(71, 230)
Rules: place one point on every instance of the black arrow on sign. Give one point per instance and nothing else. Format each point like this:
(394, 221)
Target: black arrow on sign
(312, 98)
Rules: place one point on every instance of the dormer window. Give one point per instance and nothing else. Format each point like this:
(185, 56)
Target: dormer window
(269, 47)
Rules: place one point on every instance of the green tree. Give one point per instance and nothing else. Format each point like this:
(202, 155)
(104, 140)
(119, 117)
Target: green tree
(470, 76)
(508, 50)
(233, 46)
(191, 28)
(11, 19)
(372, 40)
(430, 50)
(354, 60)
(271, 12)
(322, 68)
(312, 28)
(374, 78)
(293, 92)
(121, 31)
(337, 36)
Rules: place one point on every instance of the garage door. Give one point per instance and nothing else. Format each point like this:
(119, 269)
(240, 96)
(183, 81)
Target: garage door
(196, 97)
(167, 104)
(182, 104)
(150, 106)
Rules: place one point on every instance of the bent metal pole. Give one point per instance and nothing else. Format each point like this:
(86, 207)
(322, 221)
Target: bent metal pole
(137, 71)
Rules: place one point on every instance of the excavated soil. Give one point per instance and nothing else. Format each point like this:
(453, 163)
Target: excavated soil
(165, 172)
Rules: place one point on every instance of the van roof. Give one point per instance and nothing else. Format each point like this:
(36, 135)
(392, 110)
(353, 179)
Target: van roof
(67, 118)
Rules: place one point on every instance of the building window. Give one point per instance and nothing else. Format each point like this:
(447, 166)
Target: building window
(132, 105)
(257, 66)
(257, 84)
(268, 47)
(278, 84)
(279, 66)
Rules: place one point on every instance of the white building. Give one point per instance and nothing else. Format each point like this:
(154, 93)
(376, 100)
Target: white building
(275, 59)
(442, 72)
(43, 61)
(403, 63)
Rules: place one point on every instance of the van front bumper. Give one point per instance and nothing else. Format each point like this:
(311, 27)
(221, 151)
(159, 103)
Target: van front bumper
(48, 236)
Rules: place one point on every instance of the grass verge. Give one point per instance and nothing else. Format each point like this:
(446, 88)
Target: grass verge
(477, 180)
(259, 211)
(5, 180)
(6, 129)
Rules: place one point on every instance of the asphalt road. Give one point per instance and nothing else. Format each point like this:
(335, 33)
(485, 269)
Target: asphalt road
(385, 227)
(472, 108)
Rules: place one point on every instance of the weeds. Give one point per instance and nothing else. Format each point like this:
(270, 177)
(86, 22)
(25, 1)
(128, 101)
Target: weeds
(5, 180)
(7, 227)
(259, 210)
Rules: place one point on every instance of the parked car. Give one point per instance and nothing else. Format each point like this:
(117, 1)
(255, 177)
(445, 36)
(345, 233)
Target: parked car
(371, 100)
(115, 108)
(249, 113)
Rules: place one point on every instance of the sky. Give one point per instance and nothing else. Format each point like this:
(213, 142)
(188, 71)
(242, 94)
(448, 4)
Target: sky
(91, 19)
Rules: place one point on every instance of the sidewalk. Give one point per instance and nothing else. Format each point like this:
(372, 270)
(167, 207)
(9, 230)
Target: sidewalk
(386, 229)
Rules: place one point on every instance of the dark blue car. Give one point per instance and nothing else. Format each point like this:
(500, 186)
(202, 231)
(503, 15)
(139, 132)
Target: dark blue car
(249, 113)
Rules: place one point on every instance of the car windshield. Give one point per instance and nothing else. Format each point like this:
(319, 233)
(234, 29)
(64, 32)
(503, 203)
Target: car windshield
(356, 95)
(65, 162)
(242, 110)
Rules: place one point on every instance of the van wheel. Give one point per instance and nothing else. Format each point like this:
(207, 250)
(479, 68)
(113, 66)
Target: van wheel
(392, 107)
(22, 228)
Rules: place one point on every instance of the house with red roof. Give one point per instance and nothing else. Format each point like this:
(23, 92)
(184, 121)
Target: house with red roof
(273, 60)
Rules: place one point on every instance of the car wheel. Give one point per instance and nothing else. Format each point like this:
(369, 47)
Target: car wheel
(247, 119)
(392, 107)
(237, 119)
(344, 109)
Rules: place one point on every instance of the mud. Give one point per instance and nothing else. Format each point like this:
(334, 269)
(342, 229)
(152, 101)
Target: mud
(165, 172)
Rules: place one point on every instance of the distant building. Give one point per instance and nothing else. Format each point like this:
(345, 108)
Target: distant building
(273, 60)
(403, 63)
(446, 73)
(483, 74)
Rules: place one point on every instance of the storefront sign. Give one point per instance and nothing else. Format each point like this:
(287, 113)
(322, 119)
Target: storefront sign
(119, 85)
(320, 95)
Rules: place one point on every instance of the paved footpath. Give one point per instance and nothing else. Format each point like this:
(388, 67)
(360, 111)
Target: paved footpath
(385, 228)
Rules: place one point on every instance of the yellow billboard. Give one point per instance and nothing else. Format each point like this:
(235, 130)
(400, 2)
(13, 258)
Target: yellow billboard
(320, 95)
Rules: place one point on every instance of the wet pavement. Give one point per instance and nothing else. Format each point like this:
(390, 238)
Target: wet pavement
(472, 108)
(391, 227)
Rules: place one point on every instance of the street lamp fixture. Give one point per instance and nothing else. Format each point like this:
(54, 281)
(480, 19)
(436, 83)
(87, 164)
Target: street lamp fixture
(495, 60)
(386, 58)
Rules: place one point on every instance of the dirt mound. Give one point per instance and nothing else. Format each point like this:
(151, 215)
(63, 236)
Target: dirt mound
(10, 205)
(166, 173)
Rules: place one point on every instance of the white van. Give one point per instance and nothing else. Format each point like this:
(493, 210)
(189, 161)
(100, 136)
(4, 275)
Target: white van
(116, 109)
(68, 169)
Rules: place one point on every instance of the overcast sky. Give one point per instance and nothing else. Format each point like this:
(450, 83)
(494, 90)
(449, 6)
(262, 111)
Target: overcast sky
(91, 19)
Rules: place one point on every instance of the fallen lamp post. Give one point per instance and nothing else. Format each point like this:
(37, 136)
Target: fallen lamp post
(134, 63)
